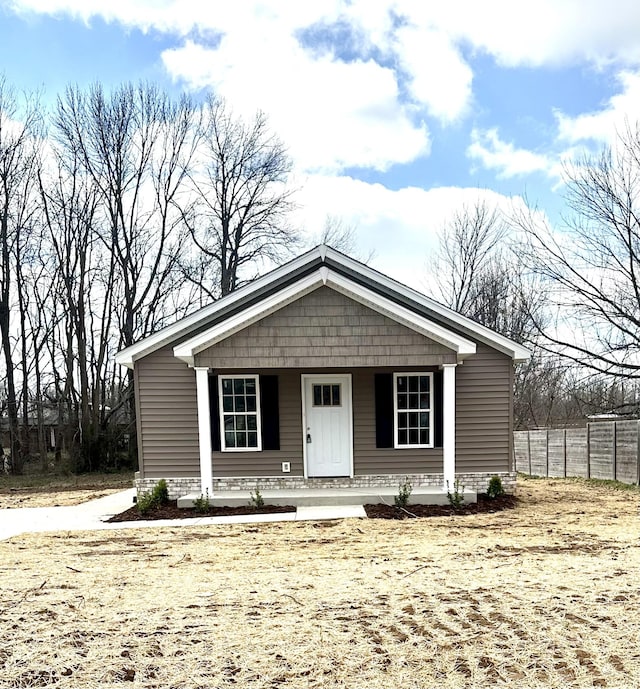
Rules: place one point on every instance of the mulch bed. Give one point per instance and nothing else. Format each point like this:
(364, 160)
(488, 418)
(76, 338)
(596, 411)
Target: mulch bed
(380, 511)
(484, 504)
(172, 511)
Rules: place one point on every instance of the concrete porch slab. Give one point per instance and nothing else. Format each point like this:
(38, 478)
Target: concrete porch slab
(332, 497)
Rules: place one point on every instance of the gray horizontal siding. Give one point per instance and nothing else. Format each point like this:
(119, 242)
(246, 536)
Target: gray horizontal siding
(269, 462)
(369, 459)
(324, 328)
(484, 391)
(168, 416)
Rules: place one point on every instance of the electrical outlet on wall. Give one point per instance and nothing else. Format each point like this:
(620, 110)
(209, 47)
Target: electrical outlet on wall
(286, 467)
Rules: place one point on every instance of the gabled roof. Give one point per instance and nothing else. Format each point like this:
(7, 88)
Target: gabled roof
(320, 266)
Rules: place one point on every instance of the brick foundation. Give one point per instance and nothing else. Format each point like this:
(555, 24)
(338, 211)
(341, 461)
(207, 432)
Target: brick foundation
(184, 486)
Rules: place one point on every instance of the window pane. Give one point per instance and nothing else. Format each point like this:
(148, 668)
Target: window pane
(424, 400)
(251, 402)
(228, 423)
(253, 439)
(326, 395)
(402, 437)
(230, 439)
(335, 395)
(424, 437)
(238, 386)
(241, 439)
(413, 401)
(402, 420)
(227, 403)
(227, 387)
(250, 386)
(241, 423)
(413, 420)
(413, 384)
(402, 401)
(317, 395)
(240, 405)
(424, 383)
(424, 420)
(401, 382)
(413, 436)
(252, 423)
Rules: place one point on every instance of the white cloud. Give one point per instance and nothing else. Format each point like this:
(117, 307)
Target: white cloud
(603, 125)
(503, 157)
(331, 114)
(438, 76)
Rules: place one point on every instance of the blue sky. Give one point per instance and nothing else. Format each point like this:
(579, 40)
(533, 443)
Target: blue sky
(397, 113)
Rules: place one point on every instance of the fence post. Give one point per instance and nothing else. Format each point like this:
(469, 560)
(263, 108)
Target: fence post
(546, 447)
(614, 451)
(588, 450)
(529, 449)
(638, 454)
(564, 452)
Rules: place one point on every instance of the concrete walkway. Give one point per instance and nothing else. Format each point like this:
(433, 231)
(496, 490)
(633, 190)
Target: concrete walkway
(92, 515)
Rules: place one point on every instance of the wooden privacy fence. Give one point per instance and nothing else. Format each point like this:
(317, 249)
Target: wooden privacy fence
(605, 450)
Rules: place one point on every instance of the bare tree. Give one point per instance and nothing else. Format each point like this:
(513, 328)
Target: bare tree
(341, 236)
(479, 275)
(136, 145)
(240, 219)
(20, 136)
(467, 244)
(592, 265)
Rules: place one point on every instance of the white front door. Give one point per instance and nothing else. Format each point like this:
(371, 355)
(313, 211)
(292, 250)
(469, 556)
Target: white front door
(326, 417)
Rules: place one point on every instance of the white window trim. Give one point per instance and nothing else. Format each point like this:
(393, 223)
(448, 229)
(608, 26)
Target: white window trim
(431, 413)
(258, 413)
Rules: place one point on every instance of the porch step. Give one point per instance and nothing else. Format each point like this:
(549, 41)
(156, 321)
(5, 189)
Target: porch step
(318, 497)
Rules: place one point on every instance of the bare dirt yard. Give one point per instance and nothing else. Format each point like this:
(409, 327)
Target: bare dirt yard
(543, 595)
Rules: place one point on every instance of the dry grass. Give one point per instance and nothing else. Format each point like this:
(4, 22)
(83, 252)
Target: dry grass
(59, 498)
(44, 490)
(547, 595)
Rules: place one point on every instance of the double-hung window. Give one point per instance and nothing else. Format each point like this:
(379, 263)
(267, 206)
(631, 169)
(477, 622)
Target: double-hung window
(413, 409)
(239, 397)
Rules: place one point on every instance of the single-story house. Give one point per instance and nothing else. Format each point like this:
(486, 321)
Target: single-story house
(323, 373)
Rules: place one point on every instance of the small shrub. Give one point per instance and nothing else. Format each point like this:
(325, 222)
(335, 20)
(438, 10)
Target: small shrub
(201, 504)
(257, 501)
(404, 492)
(153, 499)
(161, 492)
(495, 489)
(146, 502)
(456, 498)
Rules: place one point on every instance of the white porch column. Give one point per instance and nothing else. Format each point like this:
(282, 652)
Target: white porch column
(449, 425)
(204, 430)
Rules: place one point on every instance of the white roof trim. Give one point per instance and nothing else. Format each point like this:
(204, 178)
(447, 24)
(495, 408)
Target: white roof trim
(187, 350)
(184, 326)
(504, 344)
(323, 276)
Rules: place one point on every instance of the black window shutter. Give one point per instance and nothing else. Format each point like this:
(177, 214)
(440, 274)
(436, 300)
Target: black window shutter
(214, 413)
(384, 409)
(437, 408)
(269, 412)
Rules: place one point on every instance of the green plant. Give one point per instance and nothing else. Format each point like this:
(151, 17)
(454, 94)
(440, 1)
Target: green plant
(456, 498)
(201, 504)
(146, 502)
(404, 492)
(153, 499)
(257, 501)
(495, 488)
(161, 492)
